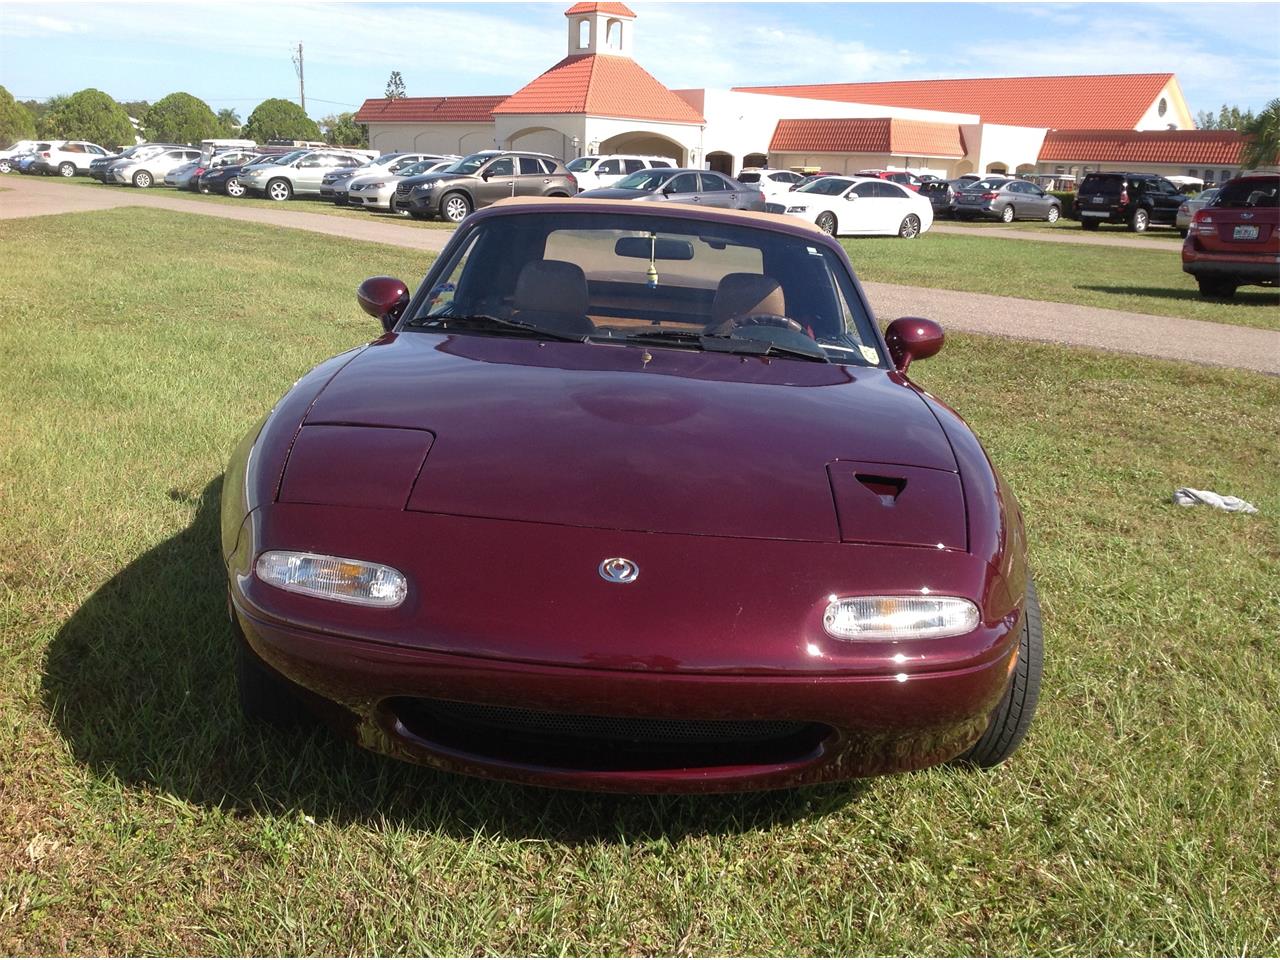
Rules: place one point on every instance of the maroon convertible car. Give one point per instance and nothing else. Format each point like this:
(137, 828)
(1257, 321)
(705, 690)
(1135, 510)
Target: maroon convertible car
(633, 499)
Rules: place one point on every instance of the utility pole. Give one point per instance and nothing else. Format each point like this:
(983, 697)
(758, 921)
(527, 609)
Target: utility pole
(302, 83)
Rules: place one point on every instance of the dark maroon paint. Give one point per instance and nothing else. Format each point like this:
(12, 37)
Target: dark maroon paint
(497, 473)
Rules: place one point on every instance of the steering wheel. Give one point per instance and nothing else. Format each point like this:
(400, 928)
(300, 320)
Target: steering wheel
(765, 320)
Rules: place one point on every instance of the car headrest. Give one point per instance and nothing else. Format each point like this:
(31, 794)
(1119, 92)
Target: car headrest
(552, 286)
(743, 294)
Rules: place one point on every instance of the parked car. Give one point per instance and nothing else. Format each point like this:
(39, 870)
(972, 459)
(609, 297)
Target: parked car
(1187, 209)
(1138, 199)
(480, 179)
(186, 177)
(334, 186)
(100, 167)
(845, 206)
(1235, 240)
(809, 178)
(26, 163)
(999, 198)
(17, 149)
(941, 195)
(873, 609)
(770, 182)
(900, 177)
(378, 191)
(596, 171)
(679, 185)
(66, 158)
(300, 176)
(226, 178)
(143, 170)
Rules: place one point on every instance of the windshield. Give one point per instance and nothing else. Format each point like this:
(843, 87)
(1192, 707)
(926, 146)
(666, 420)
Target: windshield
(827, 186)
(469, 164)
(660, 281)
(422, 166)
(285, 158)
(644, 180)
(385, 158)
(582, 164)
(1254, 192)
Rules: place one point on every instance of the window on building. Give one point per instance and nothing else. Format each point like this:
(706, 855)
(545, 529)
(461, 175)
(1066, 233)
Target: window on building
(584, 34)
(1162, 107)
(613, 35)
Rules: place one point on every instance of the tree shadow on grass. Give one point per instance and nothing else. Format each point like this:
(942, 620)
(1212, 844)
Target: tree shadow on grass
(1245, 296)
(139, 683)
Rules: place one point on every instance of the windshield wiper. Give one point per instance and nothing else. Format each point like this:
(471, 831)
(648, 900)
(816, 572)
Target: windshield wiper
(728, 343)
(488, 322)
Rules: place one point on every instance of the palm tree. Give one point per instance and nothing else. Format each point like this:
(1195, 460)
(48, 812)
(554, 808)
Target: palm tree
(1262, 146)
(229, 120)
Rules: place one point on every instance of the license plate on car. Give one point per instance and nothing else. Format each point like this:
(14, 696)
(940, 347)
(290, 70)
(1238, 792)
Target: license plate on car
(1093, 213)
(1244, 231)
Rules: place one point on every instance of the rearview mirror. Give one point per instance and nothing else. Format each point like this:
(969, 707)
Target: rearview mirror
(912, 338)
(384, 298)
(640, 248)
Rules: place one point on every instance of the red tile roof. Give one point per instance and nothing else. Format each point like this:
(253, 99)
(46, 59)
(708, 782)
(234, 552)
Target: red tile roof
(615, 9)
(600, 86)
(428, 110)
(910, 138)
(1144, 146)
(1115, 101)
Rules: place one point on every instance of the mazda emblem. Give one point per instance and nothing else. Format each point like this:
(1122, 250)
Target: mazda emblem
(619, 570)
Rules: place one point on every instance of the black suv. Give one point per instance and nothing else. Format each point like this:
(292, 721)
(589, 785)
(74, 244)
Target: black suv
(481, 179)
(1138, 199)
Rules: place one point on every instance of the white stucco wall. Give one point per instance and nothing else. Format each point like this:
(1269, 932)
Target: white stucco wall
(444, 138)
(995, 143)
(1177, 115)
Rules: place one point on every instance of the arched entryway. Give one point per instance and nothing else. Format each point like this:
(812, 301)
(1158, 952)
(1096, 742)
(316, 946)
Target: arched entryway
(999, 168)
(755, 160)
(645, 144)
(721, 162)
(540, 140)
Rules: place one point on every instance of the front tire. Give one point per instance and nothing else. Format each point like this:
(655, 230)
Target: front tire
(1139, 221)
(235, 188)
(6, 166)
(455, 207)
(1053, 215)
(1182, 232)
(826, 222)
(279, 190)
(1006, 215)
(142, 179)
(909, 229)
(67, 169)
(265, 697)
(1012, 718)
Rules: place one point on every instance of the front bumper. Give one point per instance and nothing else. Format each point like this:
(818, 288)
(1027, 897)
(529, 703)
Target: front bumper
(417, 203)
(374, 199)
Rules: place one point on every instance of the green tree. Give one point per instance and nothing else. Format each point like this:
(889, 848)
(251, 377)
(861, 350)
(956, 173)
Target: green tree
(180, 118)
(395, 86)
(278, 119)
(16, 122)
(229, 120)
(1262, 148)
(1228, 118)
(136, 108)
(344, 131)
(88, 115)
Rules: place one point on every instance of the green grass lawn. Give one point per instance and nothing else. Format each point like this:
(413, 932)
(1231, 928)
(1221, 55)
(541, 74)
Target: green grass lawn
(1067, 225)
(138, 814)
(1115, 278)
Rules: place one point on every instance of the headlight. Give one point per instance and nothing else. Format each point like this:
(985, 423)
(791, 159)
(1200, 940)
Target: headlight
(333, 578)
(374, 186)
(899, 618)
(424, 188)
(796, 209)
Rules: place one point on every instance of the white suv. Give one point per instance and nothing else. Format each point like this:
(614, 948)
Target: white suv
(606, 170)
(68, 157)
(770, 182)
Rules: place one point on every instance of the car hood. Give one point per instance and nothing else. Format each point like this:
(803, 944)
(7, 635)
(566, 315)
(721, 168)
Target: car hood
(431, 178)
(625, 438)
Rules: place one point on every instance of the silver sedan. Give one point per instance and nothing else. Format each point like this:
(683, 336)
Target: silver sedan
(377, 191)
(703, 187)
(1189, 207)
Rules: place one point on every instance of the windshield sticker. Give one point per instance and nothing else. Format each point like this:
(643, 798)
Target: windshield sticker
(870, 354)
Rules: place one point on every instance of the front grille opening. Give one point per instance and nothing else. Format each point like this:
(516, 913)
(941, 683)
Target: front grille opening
(583, 742)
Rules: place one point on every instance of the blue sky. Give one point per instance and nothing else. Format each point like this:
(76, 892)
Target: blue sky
(235, 55)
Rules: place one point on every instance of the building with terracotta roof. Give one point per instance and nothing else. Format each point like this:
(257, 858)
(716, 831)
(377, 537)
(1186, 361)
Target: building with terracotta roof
(598, 99)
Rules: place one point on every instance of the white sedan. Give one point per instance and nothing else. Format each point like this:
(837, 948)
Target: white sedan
(849, 206)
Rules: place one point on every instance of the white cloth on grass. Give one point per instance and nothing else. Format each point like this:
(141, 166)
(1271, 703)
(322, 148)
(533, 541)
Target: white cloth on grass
(1187, 497)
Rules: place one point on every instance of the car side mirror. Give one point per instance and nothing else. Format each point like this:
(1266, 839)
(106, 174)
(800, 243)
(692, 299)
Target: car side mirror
(384, 298)
(912, 338)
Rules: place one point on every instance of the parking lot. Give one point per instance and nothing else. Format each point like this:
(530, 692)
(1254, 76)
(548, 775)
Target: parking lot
(144, 817)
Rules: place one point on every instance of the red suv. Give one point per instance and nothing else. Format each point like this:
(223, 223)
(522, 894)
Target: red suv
(1235, 241)
(908, 180)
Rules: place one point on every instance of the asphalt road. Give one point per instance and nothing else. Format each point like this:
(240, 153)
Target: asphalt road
(1169, 338)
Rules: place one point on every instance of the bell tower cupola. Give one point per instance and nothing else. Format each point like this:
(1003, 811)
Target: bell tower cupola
(604, 28)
